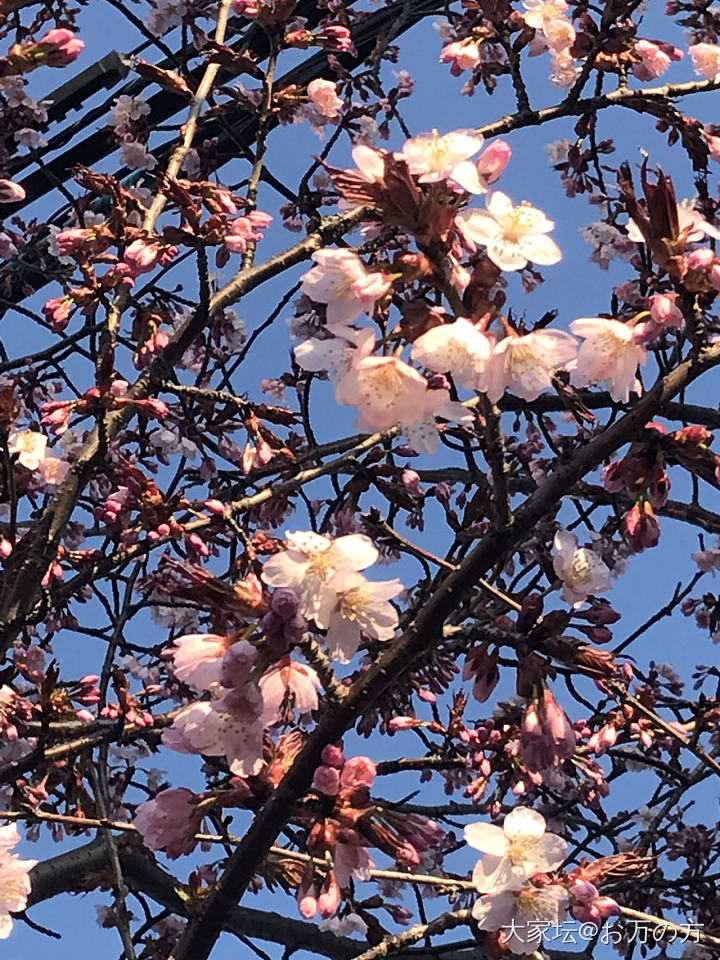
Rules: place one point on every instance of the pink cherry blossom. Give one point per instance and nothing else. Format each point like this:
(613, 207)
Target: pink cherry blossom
(352, 860)
(706, 60)
(310, 562)
(197, 658)
(512, 235)
(170, 821)
(523, 365)
(560, 35)
(654, 58)
(230, 727)
(588, 906)
(327, 780)
(514, 852)
(462, 55)
(386, 390)
(581, 570)
(289, 677)
(608, 354)
(432, 158)
(458, 348)
(358, 772)
(665, 311)
(358, 605)
(323, 95)
(341, 281)
(521, 913)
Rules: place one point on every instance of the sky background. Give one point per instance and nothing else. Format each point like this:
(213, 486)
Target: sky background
(575, 288)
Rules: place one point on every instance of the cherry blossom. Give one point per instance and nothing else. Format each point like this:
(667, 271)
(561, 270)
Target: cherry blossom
(514, 852)
(289, 677)
(310, 562)
(459, 348)
(432, 158)
(653, 58)
(524, 364)
(341, 281)
(197, 658)
(14, 879)
(386, 390)
(582, 571)
(462, 54)
(230, 726)
(522, 913)
(29, 448)
(610, 354)
(706, 60)
(170, 821)
(358, 772)
(53, 470)
(358, 605)
(323, 95)
(512, 235)
(539, 13)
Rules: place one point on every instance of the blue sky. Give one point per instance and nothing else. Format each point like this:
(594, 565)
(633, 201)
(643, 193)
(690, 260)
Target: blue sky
(575, 288)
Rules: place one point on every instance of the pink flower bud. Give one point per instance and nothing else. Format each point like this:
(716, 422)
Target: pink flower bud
(142, 255)
(493, 160)
(404, 723)
(215, 506)
(11, 192)
(332, 756)
(327, 780)
(59, 47)
(329, 899)
(641, 527)
(664, 311)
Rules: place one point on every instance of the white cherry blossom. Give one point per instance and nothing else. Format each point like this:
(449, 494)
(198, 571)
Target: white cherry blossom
(29, 445)
(608, 354)
(513, 235)
(432, 158)
(310, 562)
(358, 605)
(538, 13)
(582, 571)
(706, 60)
(459, 348)
(514, 852)
(521, 914)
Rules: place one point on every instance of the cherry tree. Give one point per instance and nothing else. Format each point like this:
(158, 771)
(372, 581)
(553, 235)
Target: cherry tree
(317, 523)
